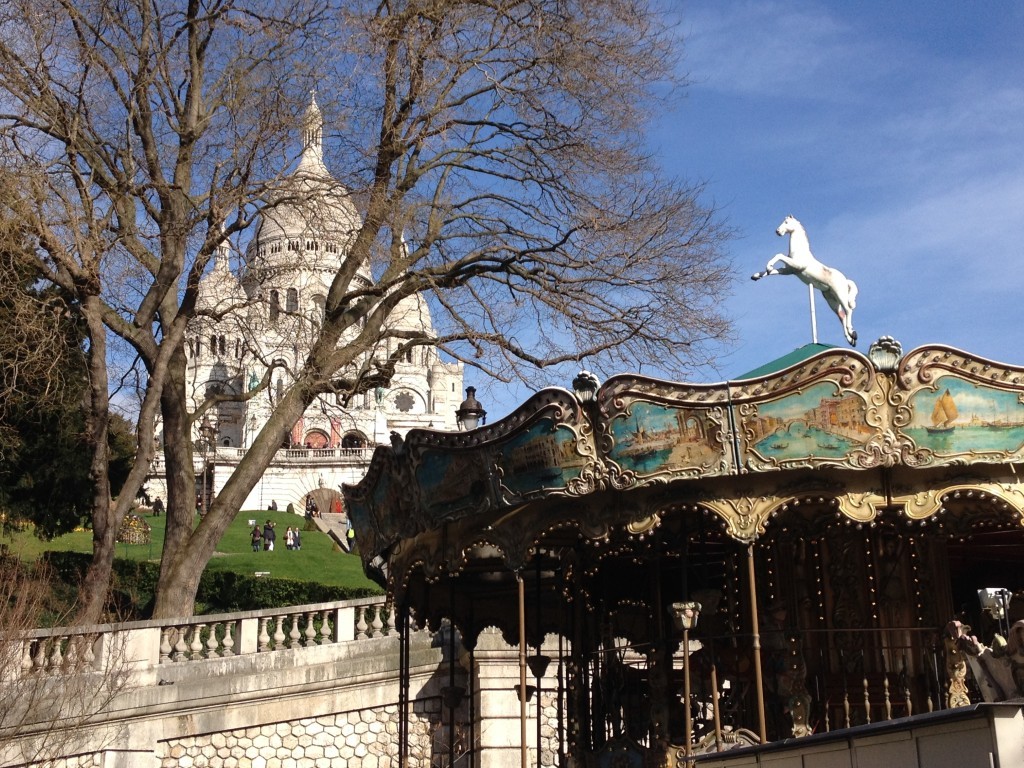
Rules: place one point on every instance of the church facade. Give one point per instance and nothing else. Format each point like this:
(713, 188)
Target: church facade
(262, 314)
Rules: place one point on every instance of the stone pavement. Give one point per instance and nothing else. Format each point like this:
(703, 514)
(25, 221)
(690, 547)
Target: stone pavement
(335, 526)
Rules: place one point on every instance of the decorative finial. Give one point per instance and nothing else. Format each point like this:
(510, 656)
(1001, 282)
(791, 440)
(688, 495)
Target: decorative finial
(885, 354)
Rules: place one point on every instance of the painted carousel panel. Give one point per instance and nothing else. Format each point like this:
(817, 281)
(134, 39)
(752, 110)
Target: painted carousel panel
(956, 417)
(821, 423)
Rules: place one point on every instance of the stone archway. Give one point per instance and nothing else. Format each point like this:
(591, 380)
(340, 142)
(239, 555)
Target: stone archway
(317, 438)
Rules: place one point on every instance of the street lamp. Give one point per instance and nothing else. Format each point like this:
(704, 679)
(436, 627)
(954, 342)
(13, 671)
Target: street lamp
(208, 433)
(470, 413)
(684, 616)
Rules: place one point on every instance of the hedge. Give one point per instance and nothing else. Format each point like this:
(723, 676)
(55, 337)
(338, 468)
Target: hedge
(134, 587)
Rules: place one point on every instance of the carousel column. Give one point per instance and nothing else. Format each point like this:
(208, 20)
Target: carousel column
(499, 712)
(758, 675)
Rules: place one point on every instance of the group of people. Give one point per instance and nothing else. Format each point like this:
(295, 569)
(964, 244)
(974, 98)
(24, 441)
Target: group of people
(265, 539)
(312, 510)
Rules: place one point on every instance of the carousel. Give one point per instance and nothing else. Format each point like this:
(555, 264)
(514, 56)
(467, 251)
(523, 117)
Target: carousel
(688, 568)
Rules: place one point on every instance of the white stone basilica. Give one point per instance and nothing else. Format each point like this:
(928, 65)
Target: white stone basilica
(266, 313)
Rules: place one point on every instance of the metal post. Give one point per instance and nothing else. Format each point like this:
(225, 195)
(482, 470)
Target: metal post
(523, 756)
(758, 677)
(687, 746)
(814, 319)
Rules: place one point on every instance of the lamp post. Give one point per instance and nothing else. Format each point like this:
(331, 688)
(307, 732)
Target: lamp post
(470, 413)
(685, 617)
(208, 433)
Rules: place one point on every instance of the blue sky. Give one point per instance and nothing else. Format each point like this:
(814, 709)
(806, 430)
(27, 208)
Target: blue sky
(894, 131)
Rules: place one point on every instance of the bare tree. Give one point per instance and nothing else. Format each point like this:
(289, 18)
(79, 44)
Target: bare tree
(494, 151)
(52, 684)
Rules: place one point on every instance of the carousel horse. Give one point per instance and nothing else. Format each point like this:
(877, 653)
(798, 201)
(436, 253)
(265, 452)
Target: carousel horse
(839, 292)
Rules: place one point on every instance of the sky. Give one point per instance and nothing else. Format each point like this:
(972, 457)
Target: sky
(894, 131)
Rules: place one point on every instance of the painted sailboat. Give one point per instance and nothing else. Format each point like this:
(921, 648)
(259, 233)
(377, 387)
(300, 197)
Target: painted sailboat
(943, 415)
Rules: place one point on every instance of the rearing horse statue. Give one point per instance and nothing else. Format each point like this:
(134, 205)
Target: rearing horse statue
(839, 291)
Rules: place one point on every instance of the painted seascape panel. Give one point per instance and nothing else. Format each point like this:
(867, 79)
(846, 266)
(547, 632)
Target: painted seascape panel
(961, 416)
(819, 422)
(649, 438)
(451, 482)
(544, 457)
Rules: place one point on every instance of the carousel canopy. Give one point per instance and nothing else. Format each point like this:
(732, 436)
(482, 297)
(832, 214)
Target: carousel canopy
(836, 438)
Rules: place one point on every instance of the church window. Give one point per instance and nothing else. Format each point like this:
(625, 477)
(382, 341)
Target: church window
(213, 345)
(292, 300)
(404, 402)
(331, 247)
(312, 245)
(275, 247)
(293, 245)
(279, 388)
(222, 345)
(199, 346)
(275, 306)
(238, 348)
(191, 348)
(408, 355)
(320, 302)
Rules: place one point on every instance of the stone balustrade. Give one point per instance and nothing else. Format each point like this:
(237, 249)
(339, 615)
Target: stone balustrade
(146, 645)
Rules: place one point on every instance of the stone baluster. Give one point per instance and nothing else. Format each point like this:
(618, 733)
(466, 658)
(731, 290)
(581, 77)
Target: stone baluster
(229, 639)
(378, 624)
(72, 656)
(196, 646)
(26, 657)
(828, 726)
(361, 626)
(906, 699)
(165, 644)
(39, 659)
(325, 628)
(264, 638)
(212, 644)
(885, 695)
(846, 707)
(180, 647)
(867, 703)
(294, 635)
(930, 703)
(56, 659)
(89, 649)
(310, 629)
(279, 633)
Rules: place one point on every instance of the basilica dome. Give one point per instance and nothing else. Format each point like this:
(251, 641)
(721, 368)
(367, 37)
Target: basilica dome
(311, 221)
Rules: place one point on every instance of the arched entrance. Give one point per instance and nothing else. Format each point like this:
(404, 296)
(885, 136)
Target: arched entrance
(317, 438)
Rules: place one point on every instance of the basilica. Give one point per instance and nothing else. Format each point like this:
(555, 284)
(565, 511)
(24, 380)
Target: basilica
(262, 312)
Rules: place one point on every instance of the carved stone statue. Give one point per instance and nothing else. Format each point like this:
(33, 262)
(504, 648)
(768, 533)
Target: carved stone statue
(840, 293)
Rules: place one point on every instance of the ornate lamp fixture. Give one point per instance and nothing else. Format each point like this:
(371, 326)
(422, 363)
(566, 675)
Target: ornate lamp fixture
(470, 413)
(585, 387)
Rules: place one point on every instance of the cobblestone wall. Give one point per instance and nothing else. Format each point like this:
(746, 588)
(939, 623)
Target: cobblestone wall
(359, 739)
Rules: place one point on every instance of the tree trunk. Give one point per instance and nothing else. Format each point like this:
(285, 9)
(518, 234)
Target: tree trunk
(96, 584)
(186, 551)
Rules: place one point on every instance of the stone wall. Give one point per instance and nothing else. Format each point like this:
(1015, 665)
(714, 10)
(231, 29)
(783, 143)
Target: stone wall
(359, 739)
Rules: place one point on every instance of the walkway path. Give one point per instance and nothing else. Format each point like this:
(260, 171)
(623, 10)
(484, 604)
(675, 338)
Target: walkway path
(335, 526)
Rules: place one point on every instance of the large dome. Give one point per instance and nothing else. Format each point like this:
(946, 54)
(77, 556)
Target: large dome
(311, 220)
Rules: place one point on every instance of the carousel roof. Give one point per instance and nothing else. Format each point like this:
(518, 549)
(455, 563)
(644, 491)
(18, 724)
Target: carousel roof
(835, 439)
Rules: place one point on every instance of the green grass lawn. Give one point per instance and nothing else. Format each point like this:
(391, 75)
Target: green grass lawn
(318, 561)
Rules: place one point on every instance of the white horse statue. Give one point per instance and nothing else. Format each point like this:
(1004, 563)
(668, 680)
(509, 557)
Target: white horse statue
(840, 292)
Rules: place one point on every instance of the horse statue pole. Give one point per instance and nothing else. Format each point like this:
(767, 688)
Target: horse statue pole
(814, 319)
(839, 292)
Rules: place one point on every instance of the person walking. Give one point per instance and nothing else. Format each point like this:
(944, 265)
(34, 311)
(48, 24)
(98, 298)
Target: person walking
(296, 539)
(289, 539)
(257, 538)
(268, 537)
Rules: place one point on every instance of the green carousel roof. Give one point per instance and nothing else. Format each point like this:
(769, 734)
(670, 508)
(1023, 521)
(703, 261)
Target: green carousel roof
(796, 356)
